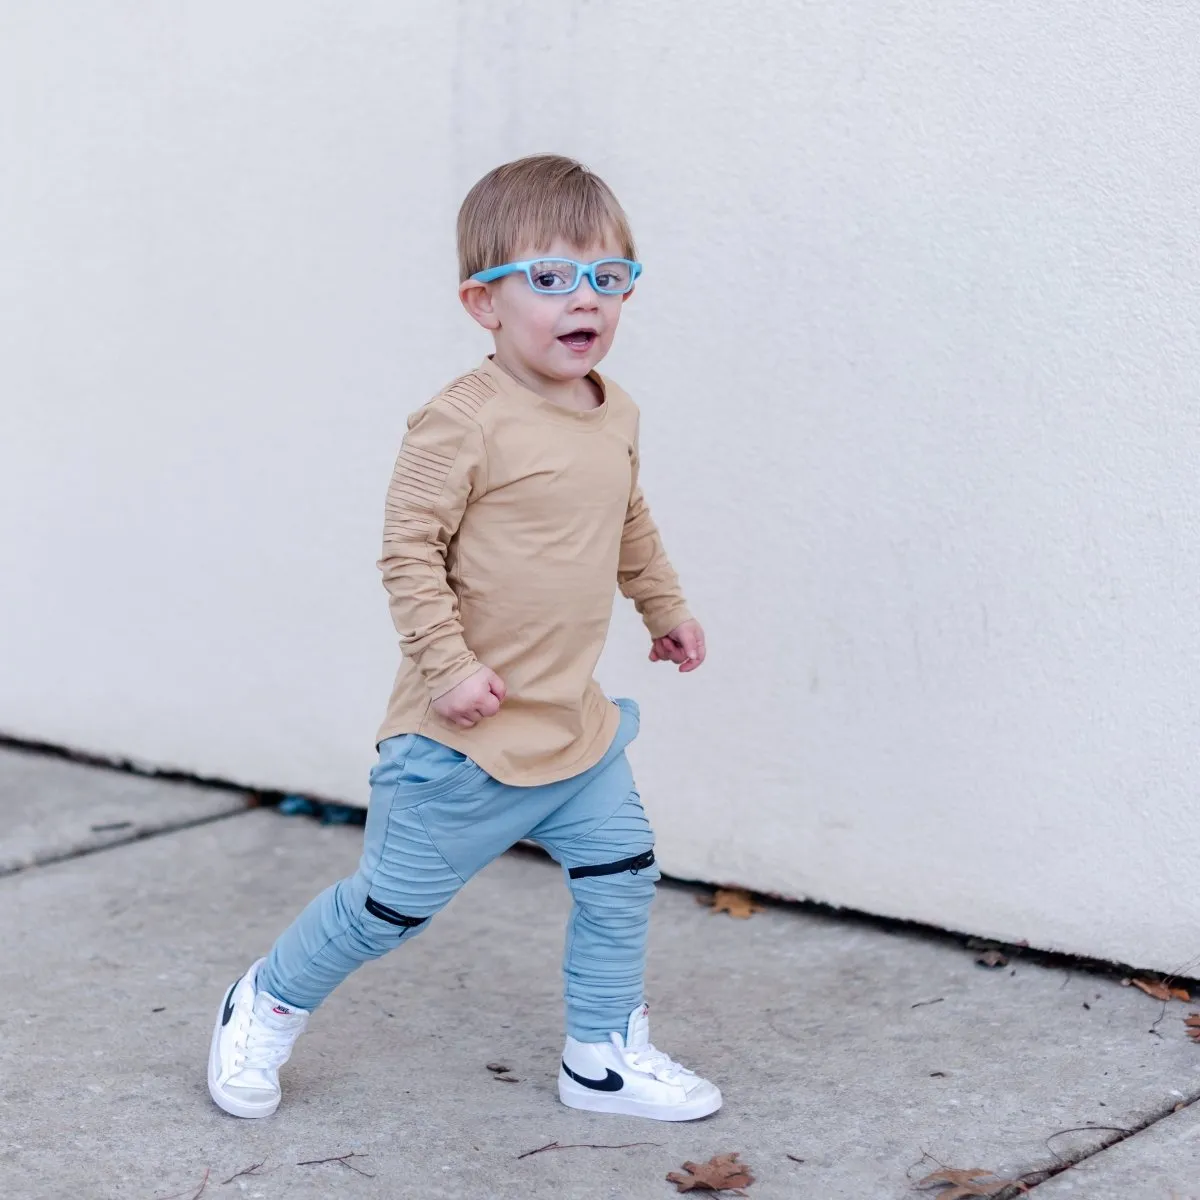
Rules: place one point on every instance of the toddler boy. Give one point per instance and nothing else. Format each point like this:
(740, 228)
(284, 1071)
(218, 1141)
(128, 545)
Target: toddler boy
(513, 511)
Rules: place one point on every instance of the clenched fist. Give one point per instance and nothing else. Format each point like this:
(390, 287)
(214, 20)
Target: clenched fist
(473, 700)
(684, 646)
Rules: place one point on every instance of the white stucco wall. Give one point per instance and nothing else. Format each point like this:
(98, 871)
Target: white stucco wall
(917, 350)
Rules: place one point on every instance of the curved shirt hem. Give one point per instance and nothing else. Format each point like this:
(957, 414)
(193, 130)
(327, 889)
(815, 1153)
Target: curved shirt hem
(561, 766)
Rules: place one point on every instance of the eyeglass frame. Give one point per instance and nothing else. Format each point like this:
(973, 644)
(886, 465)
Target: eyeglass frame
(581, 269)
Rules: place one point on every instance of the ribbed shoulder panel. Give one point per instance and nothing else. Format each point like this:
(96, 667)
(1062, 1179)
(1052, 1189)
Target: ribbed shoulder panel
(468, 394)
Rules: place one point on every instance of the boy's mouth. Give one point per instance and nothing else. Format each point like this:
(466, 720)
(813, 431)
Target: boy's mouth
(579, 339)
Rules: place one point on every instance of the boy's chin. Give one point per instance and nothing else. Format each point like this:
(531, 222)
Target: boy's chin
(575, 367)
(558, 372)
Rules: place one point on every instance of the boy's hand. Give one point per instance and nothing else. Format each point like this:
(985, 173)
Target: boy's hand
(473, 700)
(683, 645)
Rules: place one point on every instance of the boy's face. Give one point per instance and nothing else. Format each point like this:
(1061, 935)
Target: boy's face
(555, 337)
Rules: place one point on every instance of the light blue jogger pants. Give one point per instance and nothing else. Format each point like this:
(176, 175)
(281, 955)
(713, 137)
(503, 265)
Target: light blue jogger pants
(435, 819)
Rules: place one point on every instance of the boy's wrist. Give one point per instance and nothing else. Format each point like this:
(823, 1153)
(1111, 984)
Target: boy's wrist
(447, 680)
(659, 624)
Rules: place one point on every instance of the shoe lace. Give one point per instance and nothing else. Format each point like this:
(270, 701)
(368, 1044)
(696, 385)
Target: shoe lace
(264, 1048)
(653, 1061)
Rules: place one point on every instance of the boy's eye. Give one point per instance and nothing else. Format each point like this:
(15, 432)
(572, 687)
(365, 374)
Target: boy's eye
(552, 276)
(612, 276)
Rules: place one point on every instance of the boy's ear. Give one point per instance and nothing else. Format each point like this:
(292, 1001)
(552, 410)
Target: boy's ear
(476, 298)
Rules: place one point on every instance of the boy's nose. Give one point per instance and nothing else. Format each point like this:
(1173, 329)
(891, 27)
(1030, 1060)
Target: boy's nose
(584, 296)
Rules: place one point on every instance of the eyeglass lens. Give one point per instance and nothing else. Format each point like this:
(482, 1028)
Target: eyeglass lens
(559, 275)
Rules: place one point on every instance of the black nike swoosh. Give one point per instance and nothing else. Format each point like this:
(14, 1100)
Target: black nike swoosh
(612, 1082)
(229, 1003)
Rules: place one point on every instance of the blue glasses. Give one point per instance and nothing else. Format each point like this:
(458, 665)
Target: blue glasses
(560, 276)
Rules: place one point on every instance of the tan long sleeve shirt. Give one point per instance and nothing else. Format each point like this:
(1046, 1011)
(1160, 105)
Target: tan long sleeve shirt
(510, 522)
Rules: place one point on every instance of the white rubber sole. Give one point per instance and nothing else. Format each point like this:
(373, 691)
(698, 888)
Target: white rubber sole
(575, 1096)
(231, 1105)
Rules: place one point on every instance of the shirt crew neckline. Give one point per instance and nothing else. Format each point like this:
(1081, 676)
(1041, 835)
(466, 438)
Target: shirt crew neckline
(590, 419)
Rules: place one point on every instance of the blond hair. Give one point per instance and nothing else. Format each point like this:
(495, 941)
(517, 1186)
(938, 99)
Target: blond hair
(527, 204)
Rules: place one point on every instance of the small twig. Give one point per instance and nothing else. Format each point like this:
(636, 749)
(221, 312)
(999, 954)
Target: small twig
(924, 1155)
(250, 1170)
(795, 1159)
(783, 1033)
(340, 1158)
(1084, 1129)
(197, 1193)
(584, 1146)
(922, 1003)
(1154, 1028)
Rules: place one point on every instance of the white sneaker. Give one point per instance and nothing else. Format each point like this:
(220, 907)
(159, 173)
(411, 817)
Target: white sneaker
(253, 1038)
(628, 1075)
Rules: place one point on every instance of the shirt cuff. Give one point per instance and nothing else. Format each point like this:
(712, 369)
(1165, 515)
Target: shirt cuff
(660, 624)
(447, 680)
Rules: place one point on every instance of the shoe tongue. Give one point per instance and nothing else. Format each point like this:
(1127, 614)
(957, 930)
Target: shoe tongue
(637, 1036)
(274, 1014)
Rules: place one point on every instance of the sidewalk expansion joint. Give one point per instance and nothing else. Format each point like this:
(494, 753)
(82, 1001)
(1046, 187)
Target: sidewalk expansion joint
(140, 835)
(1049, 1173)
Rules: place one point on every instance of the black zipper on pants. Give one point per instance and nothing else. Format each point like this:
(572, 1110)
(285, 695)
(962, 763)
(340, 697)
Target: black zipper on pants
(639, 862)
(391, 916)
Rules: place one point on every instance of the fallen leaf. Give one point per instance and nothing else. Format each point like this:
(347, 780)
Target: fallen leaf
(963, 1184)
(992, 958)
(1192, 1021)
(734, 901)
(721, 1172)
(506, 1079)
(1160, 991)
(499, 1068)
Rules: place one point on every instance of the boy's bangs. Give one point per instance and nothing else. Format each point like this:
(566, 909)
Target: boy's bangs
(579, 215)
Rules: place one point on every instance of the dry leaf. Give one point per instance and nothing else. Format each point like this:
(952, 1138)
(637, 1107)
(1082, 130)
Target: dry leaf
(734, 901)
(506, 1078)
(1160, 991)
(992, 958)
(1192, 1021)
(499, 1068)
(722, 1171)
(962, 1184)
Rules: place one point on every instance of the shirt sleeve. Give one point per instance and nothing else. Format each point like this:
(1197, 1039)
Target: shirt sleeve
(644, 573)
(440, 469)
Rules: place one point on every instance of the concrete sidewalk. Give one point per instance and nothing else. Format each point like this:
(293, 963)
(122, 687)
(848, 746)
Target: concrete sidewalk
(854, 1059)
